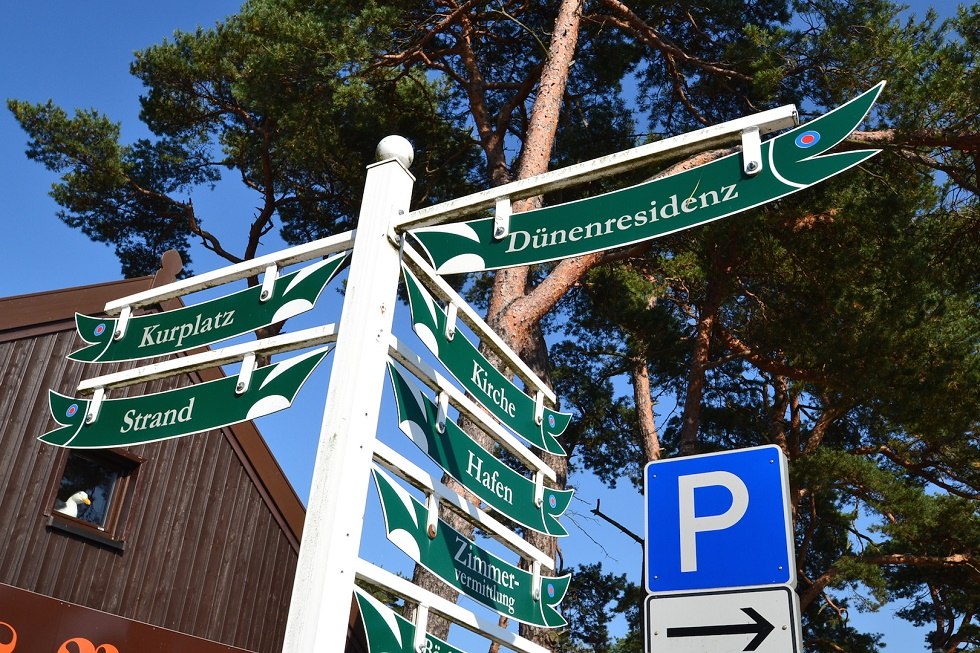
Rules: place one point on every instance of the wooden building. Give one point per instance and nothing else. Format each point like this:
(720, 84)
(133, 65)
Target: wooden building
(188, 544)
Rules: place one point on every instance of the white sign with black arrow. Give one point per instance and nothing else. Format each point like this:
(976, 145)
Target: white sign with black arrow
(761, 620)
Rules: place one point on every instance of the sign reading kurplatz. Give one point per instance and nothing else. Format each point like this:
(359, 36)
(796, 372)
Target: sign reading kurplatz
(656, 208)
(157, 334)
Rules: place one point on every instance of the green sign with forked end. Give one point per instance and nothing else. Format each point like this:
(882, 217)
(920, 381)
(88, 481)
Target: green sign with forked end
(389, 632)
(791, 162)
(477, 573)
(502, 488)
(493, 390)
(171, 414)
(157, 334)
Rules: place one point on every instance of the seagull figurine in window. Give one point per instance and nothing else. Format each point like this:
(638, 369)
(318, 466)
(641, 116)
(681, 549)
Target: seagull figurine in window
(70, 507)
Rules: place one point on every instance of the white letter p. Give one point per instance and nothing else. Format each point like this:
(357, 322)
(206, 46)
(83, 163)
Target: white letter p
(690, 525)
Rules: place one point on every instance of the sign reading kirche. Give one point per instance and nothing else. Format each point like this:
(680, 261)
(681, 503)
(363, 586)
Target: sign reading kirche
(504, 489)
(479, 377)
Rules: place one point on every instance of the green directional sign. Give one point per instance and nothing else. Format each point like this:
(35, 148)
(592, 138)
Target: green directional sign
(791, 162)
(493, 390)
(171, 414)
(389, 632)
(157, 334)
(502, 488)
(477, 573)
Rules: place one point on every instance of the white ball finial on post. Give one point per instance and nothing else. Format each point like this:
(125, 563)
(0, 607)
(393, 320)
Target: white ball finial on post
(395, 147)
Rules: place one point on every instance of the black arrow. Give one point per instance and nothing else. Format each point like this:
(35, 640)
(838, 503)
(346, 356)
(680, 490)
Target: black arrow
(761, 629)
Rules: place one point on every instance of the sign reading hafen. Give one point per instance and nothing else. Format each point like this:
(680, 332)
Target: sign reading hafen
(157, 334)
(493, 390)
(174, 413)
(477, 573)
(502, 488)
(709, 192)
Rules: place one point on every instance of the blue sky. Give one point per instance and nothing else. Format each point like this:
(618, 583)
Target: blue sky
(78, 54)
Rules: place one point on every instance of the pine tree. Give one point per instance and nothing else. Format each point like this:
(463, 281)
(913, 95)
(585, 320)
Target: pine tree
(839, 323)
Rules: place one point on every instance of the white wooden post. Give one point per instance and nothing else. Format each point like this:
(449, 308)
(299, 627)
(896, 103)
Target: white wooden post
(324, 584)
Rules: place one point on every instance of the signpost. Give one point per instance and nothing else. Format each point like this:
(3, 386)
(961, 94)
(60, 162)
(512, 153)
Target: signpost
(474, 467)
(174, 413)
(389, 632)
(484, 577)
(324, 582)
(789, 162)
(719, 546)
(478, 376)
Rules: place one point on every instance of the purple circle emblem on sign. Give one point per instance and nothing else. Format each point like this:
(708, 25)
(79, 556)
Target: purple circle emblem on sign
(71, 410)
(551, 591)
(99, 330)
(807, 139)
(551, 421)
(552, 501)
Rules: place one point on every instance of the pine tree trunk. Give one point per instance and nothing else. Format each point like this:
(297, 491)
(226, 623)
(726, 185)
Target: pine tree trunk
(506, 313)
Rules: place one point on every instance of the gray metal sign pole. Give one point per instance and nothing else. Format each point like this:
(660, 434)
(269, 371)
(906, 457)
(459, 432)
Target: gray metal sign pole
(321, 600)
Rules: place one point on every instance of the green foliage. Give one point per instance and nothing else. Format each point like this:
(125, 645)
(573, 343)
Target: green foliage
(840, 322)
(592, 601)
(113, 193)
(845, 326)
(280, 96)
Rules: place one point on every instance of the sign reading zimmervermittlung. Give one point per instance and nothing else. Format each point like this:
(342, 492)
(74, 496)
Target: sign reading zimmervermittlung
(481, 379)
(171, 414)
(502, 488)
(656, 208)
(477, 573)
(157, 334)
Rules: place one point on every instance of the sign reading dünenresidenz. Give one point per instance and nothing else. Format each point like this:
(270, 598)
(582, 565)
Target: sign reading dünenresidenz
(708, 192)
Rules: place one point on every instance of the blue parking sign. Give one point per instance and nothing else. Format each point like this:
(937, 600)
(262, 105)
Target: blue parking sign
(719, 521)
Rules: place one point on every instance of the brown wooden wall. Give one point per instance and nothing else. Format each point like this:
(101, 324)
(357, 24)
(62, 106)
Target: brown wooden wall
(207, 552)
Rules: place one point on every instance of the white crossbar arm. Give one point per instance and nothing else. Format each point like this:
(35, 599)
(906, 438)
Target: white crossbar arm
(229, 273)
(421, 479)
(684, 144)
(488, 628)
(431, 377)
(284, 342)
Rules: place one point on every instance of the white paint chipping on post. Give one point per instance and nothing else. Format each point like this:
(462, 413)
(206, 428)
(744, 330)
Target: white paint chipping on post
(324, 585)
